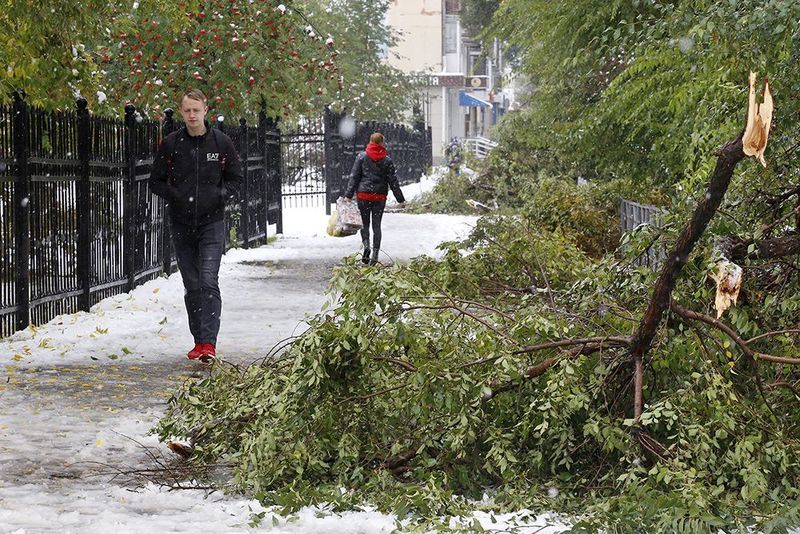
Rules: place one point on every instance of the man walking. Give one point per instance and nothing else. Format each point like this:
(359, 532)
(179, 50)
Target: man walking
(196, 170)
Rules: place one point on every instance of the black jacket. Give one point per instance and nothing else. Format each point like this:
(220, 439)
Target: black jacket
(369, 176)
(196, 175)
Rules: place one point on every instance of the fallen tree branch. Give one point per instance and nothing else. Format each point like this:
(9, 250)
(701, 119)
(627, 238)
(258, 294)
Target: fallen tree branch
(466, 313)
(540, 368)
(375, 394)
(787, 385)
(534, 371)
(728, 156)
(731, 333)
(408, 366)
(464, 301)
(597, 343)
(775, 333)
(604, 341)
(765, 249)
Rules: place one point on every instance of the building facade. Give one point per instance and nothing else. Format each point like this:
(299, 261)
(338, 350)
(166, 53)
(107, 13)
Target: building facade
(459, 80)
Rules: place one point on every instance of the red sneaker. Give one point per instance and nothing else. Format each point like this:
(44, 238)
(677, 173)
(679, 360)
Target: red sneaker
(208, 353)
(195, 352)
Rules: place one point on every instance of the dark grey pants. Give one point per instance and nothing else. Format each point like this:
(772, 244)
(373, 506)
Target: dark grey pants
(371, 209)
(199, 252)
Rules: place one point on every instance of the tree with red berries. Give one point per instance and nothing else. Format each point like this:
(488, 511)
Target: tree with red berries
(289, 58)
(243, 55)
(45, 49)
(283, 57)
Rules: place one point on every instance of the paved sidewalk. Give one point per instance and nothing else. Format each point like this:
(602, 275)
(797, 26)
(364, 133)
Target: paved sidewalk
(77, 392)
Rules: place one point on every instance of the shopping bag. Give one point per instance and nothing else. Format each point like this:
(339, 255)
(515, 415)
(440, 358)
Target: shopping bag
(348, 219)
(345, 220)
(332, 224)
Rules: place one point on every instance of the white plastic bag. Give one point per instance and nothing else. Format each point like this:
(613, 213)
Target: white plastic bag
(346, 220)
(349, 219)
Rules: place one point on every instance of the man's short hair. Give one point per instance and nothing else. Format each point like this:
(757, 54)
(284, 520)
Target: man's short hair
(194, 94)
(376, 138)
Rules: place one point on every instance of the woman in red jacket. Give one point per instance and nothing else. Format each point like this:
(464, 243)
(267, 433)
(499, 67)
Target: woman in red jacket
(372, 175)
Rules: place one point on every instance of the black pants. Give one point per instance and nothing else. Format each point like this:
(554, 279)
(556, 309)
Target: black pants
(199, 252)
(371, 209)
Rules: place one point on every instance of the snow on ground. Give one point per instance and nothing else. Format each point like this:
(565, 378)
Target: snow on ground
(266, 294)
(81, 393)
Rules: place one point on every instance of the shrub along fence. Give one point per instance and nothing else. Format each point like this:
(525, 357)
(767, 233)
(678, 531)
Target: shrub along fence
(78, 222)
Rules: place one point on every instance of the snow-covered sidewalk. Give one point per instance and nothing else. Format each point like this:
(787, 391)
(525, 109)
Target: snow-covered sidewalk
(81, 393)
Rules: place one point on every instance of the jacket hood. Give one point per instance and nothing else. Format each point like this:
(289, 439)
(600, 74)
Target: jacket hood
(376, 152)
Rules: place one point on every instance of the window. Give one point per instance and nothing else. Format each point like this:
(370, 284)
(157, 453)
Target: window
(452, 7)
(450, 34)
(477, 64)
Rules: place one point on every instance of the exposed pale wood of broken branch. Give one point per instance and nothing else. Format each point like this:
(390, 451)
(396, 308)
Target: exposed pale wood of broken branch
(759, 118)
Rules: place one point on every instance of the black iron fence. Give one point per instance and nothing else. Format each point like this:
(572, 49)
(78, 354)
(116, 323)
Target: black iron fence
(78, 222)
(410, 149)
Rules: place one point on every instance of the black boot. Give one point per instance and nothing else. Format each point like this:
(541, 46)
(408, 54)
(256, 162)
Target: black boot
(374, 259)
(365, 256)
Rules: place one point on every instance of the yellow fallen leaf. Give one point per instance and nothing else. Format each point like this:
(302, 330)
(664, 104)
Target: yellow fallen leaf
(99, 442)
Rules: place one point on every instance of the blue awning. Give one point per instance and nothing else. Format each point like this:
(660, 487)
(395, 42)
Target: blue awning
(467, 100)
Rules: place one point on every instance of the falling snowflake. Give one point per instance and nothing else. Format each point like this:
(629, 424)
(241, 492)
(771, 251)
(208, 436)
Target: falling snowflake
(281, 8)
(101, 97)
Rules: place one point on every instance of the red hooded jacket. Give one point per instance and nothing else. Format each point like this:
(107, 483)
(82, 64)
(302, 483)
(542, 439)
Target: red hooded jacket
(372, 175)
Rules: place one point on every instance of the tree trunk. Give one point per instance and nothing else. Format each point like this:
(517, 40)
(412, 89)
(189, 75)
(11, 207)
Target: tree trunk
(728, 156)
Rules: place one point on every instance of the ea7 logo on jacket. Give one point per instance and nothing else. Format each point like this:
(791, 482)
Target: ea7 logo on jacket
(212, 156)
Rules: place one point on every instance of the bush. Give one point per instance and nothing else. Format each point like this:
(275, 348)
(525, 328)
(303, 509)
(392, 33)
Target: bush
(450, 195)
(416, 392)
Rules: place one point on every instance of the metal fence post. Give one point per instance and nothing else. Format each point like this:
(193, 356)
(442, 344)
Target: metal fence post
(347, 155)
(420, 144)
(245, 193)
(429, 146)
(84, 207)
(332, 146)
(166, 237)
(273, 170)
(261, 132)
(22, 187)
(129, 206)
